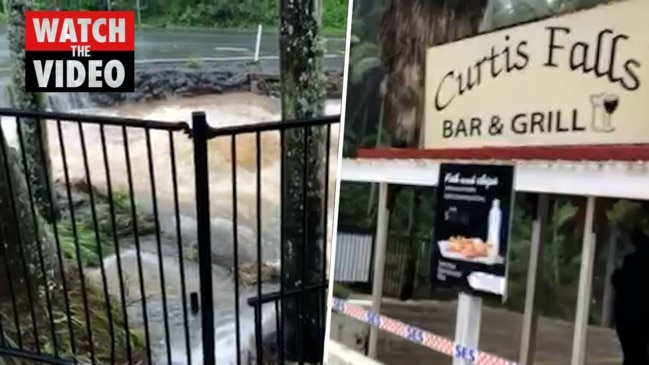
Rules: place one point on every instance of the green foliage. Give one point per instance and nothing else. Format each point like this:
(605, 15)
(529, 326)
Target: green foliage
(193, 64)
(362, 126)
(561, 261)
(341, 291)
(335, 14)
(190, 253)
(97, 317)
(204, 13)
(362, 59)
(90, 243)
(628, 215)
(121, 202)
(353, 205)
(89, 248)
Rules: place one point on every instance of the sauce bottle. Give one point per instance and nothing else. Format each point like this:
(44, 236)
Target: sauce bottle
(493, 230)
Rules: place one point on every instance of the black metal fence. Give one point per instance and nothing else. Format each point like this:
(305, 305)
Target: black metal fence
(128, 241)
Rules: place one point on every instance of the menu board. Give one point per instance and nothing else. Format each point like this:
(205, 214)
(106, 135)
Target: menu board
(472, 228)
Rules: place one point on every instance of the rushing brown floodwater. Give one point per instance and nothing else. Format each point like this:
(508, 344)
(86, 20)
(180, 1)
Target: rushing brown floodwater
(221, 110)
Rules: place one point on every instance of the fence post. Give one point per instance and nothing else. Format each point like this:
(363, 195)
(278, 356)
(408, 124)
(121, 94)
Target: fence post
(201, 179)
(258, 43)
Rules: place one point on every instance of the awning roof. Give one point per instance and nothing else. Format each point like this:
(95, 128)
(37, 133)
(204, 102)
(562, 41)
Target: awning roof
(613, 179)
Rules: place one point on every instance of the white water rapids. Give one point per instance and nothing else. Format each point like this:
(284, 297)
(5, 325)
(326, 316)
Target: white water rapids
(221, 110)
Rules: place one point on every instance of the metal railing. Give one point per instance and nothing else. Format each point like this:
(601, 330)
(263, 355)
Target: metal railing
(127, 241)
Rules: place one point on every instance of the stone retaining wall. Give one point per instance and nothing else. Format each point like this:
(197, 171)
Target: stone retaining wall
(158, 82)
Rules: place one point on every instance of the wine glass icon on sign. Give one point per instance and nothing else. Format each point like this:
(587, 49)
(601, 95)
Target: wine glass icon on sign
(604, 106)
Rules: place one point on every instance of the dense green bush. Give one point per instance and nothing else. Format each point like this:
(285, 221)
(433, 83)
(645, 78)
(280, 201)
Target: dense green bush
(208, 13)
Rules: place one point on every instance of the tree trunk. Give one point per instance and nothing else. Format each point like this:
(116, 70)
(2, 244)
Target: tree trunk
(33, 136)
(303, 96)
(25, 240)
(408, 28)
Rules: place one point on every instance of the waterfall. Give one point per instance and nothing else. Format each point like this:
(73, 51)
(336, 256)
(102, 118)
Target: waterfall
(57, 102)
(65, 102)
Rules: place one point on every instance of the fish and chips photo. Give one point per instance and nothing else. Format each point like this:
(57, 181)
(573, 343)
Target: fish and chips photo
(469, 247)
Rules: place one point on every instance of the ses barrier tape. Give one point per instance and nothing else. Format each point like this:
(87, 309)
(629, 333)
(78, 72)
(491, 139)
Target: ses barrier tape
(417, 335)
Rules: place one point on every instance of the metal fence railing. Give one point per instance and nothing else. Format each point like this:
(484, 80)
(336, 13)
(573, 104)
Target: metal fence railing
(128, 241)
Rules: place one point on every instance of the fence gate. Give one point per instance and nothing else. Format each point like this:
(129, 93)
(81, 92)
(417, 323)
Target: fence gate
(129, 241)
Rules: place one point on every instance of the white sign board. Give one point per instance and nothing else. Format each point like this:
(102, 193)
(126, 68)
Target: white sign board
(580, 78)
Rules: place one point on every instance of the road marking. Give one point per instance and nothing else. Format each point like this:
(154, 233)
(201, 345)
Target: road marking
(208, 59)
(232, 49)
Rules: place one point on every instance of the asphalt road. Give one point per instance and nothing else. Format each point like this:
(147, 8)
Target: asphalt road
(217, 44)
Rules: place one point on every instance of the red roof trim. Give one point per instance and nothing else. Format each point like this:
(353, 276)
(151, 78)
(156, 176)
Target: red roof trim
(565, 153)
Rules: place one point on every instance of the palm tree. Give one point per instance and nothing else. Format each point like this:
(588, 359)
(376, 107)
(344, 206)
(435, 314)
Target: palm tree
(407, 29)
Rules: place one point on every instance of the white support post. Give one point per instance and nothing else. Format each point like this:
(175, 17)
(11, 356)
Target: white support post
(607, 300)
(530, 316)
(138, 9)
(584, 293)
(380, 248)
(467, 324)
(258, 42)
